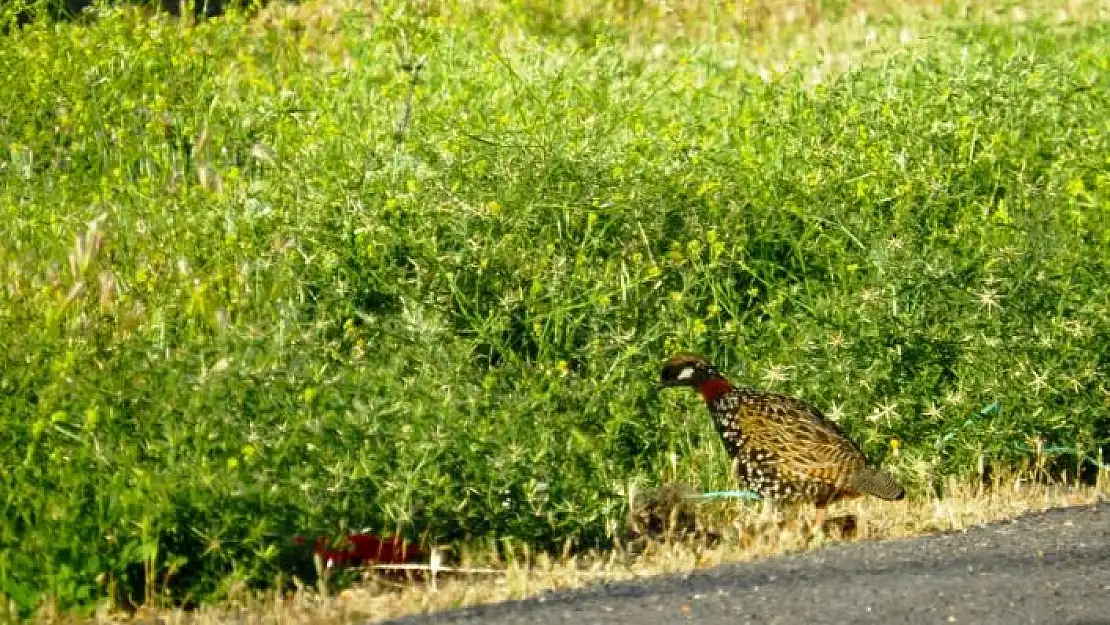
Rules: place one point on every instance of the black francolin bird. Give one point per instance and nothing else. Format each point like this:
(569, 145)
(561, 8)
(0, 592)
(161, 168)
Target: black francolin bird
(782, 448)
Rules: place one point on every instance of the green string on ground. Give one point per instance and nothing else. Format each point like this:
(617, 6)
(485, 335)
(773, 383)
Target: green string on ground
(747, 495)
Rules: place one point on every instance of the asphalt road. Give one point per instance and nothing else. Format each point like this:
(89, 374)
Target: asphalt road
(1051, 567)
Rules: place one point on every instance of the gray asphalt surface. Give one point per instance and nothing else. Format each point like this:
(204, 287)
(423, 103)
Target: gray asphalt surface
(1051, 567)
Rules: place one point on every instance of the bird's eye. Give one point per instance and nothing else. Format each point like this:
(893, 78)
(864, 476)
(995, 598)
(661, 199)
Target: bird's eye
(686, 373)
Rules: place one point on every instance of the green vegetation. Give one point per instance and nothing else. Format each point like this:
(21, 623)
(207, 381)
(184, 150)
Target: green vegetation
(247, 292)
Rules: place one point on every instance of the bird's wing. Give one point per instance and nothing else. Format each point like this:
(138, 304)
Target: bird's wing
(799, 439)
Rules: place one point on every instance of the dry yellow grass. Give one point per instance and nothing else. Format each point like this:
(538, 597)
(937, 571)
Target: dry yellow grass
(774, 35)
(768, 30)
(744, 532)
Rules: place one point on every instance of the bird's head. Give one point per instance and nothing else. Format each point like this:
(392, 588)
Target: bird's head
(687, 370)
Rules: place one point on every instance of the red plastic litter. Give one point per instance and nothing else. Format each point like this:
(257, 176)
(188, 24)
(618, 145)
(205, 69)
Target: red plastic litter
(366, 548)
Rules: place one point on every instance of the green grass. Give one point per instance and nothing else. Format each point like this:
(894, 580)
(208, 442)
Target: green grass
(235, 307)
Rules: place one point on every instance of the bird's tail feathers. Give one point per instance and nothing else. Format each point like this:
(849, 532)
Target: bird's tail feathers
(881, 484)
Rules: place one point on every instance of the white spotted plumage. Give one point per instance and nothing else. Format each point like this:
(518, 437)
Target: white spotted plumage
(782, 447)
(760, 469)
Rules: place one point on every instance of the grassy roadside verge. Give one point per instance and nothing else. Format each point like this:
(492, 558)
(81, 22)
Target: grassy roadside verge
(247, 295)
(745, 534)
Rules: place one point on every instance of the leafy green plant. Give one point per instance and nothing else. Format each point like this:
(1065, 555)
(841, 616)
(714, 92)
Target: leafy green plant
(240, 301)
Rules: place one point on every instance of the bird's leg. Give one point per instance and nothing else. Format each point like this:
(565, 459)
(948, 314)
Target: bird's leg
(767, 514)
(819, 517)
(820, 505)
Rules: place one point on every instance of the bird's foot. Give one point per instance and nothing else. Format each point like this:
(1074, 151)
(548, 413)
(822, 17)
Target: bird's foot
(843, 527)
